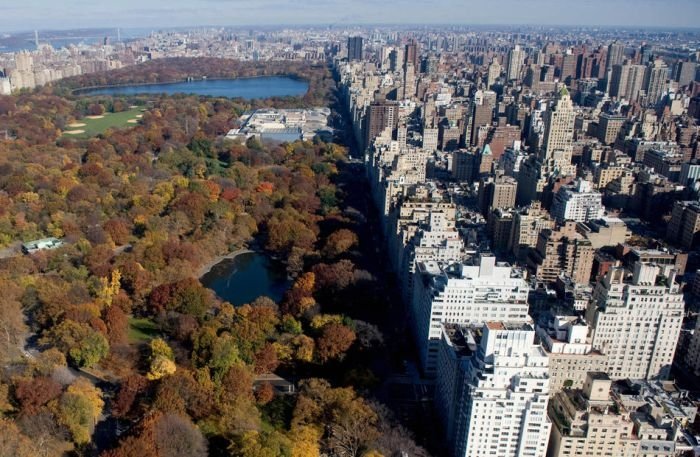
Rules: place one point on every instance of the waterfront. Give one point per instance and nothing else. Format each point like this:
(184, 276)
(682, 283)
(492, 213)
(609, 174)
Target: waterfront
(247, 88)
(247, 276)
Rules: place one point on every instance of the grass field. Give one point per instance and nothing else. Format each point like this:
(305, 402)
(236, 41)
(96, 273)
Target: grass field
(110, 120)
(142, 330)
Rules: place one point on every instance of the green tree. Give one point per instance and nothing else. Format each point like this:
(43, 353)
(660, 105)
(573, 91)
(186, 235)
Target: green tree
(84, 346)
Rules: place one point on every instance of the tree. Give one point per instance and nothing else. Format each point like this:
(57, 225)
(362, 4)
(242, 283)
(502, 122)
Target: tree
(13, 443)
(264, 393)
(117, 323)
(256, 444)
(266, 360)
(162, 360)
(78, 409)
(339, 242)
(83, 345)
(334, 340)
(177, 436)
(35, 393)
(131, 387)
(350, 422)
(305, 441)
(119, 230)
(12, 325)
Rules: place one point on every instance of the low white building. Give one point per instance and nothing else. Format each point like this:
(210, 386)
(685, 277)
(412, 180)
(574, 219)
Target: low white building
(578, 202)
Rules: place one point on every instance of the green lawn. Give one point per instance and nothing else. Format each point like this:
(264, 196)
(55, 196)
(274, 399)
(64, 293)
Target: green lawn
(142, 330)
(110, 120)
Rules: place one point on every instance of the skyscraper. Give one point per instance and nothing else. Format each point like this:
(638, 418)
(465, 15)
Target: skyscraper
(655, 78)
(354, 48)
(616, 54)
(685, 73)
(626, 81)
(412, 55)
(493, 73)
(516, 57)
(380, 115)
(645, 53)
(559, 126)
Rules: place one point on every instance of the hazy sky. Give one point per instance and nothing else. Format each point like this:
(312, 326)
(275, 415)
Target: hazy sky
(62, 14)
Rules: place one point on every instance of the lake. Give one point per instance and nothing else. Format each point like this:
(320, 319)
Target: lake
(246, 277)
(248, 88)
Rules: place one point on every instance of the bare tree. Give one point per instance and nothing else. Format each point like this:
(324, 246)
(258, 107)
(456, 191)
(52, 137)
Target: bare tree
(176, 436)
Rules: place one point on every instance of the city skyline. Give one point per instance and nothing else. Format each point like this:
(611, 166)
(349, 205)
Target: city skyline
(132, 13)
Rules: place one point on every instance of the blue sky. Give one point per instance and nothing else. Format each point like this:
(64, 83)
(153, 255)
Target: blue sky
(62, 14)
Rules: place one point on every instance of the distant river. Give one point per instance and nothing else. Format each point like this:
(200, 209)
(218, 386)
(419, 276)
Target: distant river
(246, 277)
(248, 88)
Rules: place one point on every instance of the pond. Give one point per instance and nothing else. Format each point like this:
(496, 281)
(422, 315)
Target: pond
(246, 277)
(248, 88)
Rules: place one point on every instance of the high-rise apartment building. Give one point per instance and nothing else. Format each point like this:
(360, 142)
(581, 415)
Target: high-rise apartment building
(497, 193)
(355, 48)
(494, 72)
(609, 127)
(636, 320)
(684, 226)
(562, 251)
(655, 82)
(492, 390)
(412, 55)
(516, 57)
(626, 81)
(527, 225)
(464, 294)
(380, 115)
(559, 125)
(616, 54)
(685, 73)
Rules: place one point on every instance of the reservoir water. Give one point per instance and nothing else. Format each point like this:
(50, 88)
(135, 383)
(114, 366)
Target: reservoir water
(246, 277)
(248, 88)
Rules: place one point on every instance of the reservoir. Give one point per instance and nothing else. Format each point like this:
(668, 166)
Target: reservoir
(246, 277)
(247, 88)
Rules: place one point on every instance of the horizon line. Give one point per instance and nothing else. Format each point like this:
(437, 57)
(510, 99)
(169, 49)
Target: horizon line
(366, 24)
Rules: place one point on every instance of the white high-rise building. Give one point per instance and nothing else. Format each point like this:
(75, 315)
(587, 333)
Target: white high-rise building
(578, 202)
(494, 73)
(492, 391)
(559, 123)
(655, 81)
(464, 294)
(516, 57)
(636, 320)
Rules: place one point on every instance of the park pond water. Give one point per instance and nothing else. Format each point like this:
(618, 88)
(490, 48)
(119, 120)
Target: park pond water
(247, 88)
(246, 277)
